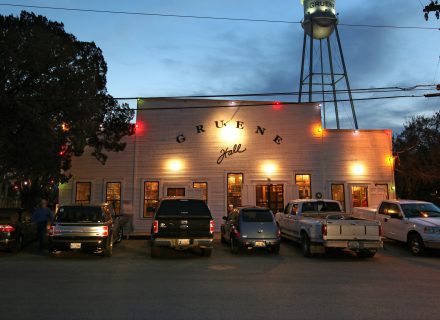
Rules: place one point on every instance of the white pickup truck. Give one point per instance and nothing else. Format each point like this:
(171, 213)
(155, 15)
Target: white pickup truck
(415, 222)
(321, 224)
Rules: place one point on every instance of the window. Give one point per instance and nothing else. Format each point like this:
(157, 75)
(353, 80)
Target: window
(113, 195)
(204, 187)
(303, 181)
(359, 195)
(339, 194)
(83, 192)
(270, 196)
(151, 198)
(175, 192)
(235, 187)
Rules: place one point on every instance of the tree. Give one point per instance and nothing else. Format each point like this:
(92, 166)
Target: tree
(53, 103)
(418, 159)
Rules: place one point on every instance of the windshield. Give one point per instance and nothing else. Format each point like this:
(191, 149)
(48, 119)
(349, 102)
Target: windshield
(421, 210)
(321, 206)
(79, 214)
(253, 215)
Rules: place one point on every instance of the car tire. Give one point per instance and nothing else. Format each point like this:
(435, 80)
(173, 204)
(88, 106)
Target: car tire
(108, 251)
(206, 252)
(235, 247)
(222, 238)
(155, 252)
(305, 245)
(275, 249)
(18, 245)
(366, 253)
(415, 244)
(120, 235)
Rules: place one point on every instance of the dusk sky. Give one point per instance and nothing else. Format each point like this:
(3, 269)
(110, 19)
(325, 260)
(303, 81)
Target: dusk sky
(158, 56)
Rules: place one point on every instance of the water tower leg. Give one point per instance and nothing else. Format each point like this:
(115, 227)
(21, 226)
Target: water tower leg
(322, 83)
(301, 80)
(346, 78)
(311, 68)
(332, 74)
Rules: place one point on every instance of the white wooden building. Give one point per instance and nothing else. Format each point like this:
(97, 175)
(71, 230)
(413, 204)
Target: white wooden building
(234, 153)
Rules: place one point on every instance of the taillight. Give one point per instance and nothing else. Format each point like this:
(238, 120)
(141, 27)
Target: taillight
(211, 226)
(6, 228)
(103, 232)
(156, 226)
(324, 230)
(51, 231)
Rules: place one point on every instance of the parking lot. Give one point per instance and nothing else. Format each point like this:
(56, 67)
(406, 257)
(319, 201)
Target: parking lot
(250, 285)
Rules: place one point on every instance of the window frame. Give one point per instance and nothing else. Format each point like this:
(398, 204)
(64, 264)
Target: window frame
(154, 200)
(118, 209)
(88, 201)
(301, 186)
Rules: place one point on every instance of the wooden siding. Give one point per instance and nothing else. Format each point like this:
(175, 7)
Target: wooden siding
(326, 155)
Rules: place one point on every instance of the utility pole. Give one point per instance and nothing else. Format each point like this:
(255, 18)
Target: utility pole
(433, 6)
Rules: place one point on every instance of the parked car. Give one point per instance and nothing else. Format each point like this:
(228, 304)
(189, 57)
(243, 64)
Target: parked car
(320, 225)
(95, 228)
(182, 224)
(16, 228)
(251, 227)
(415, 222)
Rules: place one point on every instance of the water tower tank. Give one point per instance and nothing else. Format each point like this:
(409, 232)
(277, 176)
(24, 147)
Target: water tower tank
(319, 16)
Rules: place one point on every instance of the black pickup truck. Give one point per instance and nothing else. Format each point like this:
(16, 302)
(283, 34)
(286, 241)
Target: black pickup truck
(182, 224)
(93, 228)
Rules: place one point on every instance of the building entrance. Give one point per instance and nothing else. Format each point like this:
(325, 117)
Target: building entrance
(270, 196)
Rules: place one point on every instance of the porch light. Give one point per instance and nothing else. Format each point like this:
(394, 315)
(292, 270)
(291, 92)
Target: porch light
(358, 169)
(175, 165)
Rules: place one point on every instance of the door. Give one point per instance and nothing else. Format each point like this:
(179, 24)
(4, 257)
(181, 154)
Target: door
(270, 196)
(391, 219)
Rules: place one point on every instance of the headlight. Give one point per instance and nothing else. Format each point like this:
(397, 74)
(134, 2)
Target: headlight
(432, 230)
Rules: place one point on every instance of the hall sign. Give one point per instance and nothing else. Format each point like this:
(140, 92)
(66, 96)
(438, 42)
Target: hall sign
(226, 152)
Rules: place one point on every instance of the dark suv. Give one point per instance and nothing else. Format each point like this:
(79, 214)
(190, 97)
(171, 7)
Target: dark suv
(93, 228)
(251, 227)
(182, 224)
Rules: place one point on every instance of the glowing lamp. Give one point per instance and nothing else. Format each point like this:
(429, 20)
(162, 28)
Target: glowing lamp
(229, 133)
(175, 165)
(277, 105)
(358, 169)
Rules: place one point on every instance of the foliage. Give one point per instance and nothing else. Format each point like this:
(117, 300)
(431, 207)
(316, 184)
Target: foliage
(53, 103)
(418, 159)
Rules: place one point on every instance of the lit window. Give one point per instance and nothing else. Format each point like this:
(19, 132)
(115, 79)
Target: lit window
(204, 187)
(151, 198)
(303, 181)
(339, 194)
(235, 187)
(113, 195)
(83, 192)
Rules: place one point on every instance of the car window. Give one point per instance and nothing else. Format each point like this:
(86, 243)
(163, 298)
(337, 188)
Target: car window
(183, 207)
(79, 214)
(252, 215)
(294, 209)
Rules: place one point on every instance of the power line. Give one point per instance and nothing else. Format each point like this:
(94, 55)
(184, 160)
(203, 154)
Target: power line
(206, 17)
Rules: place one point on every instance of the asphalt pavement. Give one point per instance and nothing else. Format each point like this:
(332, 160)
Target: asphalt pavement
(250, 285)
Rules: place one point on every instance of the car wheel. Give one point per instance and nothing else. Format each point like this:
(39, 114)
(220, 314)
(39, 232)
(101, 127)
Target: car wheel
(222, 238)
(108, 252)
(120, 235)
(18, 244)
(305, 245)
(275, 249)
(366, 253)
(234, 245)
(415, 243)
(155, 252)
(206, 252)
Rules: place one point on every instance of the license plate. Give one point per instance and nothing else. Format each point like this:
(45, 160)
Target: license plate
(183, 242)
(353, 244)
(75, 245)
(260, 244)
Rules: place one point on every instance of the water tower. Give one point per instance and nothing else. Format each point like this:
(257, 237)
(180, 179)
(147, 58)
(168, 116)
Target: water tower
(324, 78)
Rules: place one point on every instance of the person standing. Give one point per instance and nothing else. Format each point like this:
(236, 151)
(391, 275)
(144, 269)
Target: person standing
(41, 217)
